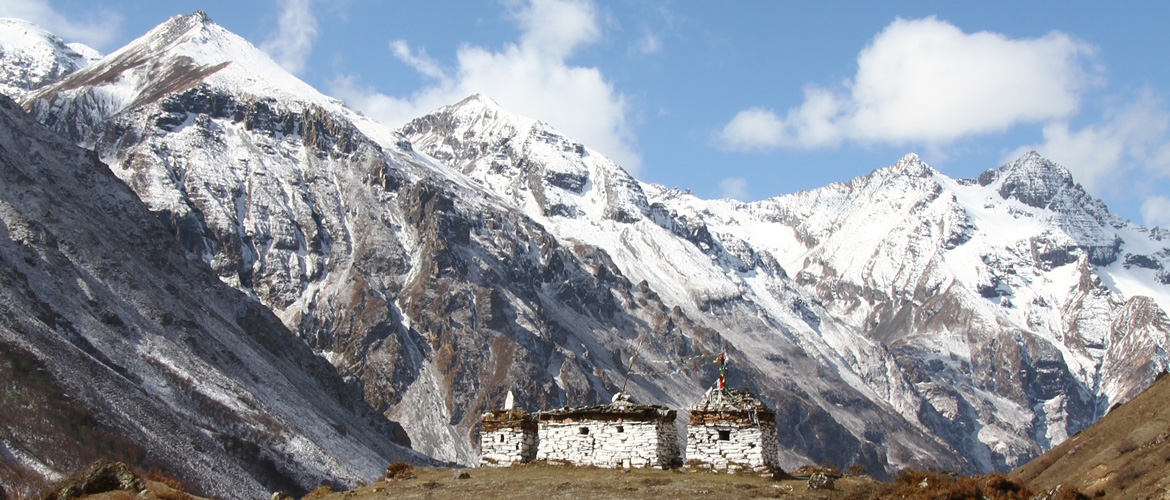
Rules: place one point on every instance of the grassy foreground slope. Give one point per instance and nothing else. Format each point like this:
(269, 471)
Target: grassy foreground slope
(548, 481)
(1126, 454)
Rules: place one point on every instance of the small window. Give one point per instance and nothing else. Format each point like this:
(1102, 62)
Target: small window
(621, 429)
(725, 435)
(501, 438)
(583, 431)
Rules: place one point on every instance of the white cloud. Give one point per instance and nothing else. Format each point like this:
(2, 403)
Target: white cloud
(420, 61)
(293, 40)
(98, 31)
(1129, 139)
(531, 77)
(734, 187)
(754, 128)
(1156, 211)
(554, 28)
(926, 81)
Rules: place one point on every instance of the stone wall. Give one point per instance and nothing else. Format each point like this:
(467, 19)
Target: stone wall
(610, 443)
(508, 438)
(731, 445)
(507, 446)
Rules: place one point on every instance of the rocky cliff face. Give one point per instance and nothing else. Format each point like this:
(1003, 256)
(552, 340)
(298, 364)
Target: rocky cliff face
(997, 297)
(433, 295)
(902, 318)
(991, 299)
(150, 348)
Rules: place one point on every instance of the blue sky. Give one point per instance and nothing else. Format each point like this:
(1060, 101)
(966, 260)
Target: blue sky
(741, 99)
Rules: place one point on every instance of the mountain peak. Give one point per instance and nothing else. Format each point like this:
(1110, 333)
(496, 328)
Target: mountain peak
(190, 20)
(478, 100)
(476, 114)
(480, 107)
(1032, 179)
(173, 29)
(911, 165)
(182, 52)
(32, 57)
(198, 16)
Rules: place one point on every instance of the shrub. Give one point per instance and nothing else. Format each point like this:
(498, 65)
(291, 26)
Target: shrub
(399, 470)
(1124, 446)
(20, 482)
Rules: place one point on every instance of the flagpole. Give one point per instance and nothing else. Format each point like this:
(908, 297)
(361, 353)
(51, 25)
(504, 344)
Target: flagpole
(633, 360)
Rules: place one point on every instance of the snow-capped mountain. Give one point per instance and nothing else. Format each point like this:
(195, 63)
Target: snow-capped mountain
(903, 318)
(386, 261)
(1013, 295)
(151, 347)
(1000, 304)
(31, 57)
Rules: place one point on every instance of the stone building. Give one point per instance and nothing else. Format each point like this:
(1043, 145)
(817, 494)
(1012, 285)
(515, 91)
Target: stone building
(508, 438)
(620, 434)
(730, 430)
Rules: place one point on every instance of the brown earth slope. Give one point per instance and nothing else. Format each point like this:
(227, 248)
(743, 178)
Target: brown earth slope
(1126, 454)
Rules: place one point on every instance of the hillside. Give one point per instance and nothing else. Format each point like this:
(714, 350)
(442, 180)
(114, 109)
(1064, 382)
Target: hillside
(114, 344)
(374, 287)
(1124, 455)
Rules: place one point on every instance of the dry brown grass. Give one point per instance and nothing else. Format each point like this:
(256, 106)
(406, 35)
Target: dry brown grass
(159, 476)
(930, 485)
(318, 492)
(1125, 455)
(557, 481)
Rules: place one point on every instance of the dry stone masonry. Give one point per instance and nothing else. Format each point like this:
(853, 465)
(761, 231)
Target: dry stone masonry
(620, 434)
(731, 430)
(508, 438)
(728, 430)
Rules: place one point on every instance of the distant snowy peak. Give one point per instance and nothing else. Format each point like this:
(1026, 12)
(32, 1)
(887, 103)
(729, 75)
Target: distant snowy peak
(441, 133)
(181, 53)
(1047, 192)
(543, 171)
(913, 166)
(31, 57)
(1037, 182)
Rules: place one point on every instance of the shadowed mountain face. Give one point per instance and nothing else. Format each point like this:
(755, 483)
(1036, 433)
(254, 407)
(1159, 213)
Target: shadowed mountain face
(900, 319)
(149, 345)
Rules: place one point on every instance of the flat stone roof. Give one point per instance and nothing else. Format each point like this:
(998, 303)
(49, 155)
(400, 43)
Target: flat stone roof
(620, 410)
(730, 405)
(494, 420)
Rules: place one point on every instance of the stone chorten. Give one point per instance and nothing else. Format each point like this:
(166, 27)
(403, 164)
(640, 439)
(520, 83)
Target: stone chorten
(732, 430)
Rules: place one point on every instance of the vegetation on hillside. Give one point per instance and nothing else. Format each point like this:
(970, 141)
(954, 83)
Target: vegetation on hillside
(40, 422)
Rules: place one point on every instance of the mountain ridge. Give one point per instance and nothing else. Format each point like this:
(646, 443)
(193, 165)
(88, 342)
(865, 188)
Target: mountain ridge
(901, 318)
(153, 346)
(31, 57)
